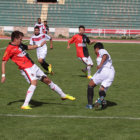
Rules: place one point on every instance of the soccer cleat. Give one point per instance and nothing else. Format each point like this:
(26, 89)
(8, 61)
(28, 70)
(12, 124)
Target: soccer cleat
(26, 107)
(50, 68)
(89, 77)
(89, 106)
(68, 97)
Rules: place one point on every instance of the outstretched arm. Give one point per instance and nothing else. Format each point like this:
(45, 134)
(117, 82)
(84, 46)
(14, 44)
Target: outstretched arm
(31, 47)
(92, 42)
(104, 58)
(3, 71)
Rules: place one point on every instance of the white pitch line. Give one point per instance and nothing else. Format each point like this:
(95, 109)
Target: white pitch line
(65, 116)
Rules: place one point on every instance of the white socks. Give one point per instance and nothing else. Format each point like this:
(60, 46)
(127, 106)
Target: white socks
(89, 70)
(57, 89)
(29, 95)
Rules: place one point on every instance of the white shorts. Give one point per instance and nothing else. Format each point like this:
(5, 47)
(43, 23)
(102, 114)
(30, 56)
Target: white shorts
(32, 73)
(41, 52)
(87, 60)
(104, 77)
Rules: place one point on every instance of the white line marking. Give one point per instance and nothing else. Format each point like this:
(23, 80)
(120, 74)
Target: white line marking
(65, 116)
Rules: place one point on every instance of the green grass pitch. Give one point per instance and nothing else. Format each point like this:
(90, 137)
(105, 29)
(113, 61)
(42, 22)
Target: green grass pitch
(52, 118)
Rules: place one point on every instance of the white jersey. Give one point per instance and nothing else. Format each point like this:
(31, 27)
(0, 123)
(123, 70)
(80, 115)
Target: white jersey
(41, 27)
(37, 40)
(105, 75)
(108, 62)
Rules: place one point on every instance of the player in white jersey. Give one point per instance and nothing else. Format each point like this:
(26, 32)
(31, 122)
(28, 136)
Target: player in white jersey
(36, 39)
(104, 76)
(40, 25)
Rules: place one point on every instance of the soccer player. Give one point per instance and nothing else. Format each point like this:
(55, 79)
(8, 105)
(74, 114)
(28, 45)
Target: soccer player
(16, 51)
(80, 41)
(46, 30)
(104, 76)
(36, 39)
(40, 25)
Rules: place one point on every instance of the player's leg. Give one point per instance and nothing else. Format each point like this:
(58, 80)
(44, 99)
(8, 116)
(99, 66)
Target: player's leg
(41, 55)
(43, 63)
(42, 77)
(56, 88)
(90, 94)
(29, 75)
(89, 64)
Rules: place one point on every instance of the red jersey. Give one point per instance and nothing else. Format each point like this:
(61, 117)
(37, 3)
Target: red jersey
(18, 55)
(80, 43)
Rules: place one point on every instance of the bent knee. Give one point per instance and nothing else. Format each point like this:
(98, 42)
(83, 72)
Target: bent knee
(46, 80)
(40, 60)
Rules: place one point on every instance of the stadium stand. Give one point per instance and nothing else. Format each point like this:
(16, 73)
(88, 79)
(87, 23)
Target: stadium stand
(92, 14)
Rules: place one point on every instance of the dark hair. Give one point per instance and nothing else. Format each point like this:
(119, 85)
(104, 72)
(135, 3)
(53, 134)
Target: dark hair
(16, 34)
(99, 45)
(37, 27)
(45, 21)
(82, 26)
(38, 18)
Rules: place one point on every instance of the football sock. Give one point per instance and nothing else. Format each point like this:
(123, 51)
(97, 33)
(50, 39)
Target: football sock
(89, 70)
(45, 65)
(102, 94)
(90, 94)
(57, 89)
(29, 95)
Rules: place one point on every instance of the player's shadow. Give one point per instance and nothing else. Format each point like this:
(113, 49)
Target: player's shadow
(34, 103)
(110, 104)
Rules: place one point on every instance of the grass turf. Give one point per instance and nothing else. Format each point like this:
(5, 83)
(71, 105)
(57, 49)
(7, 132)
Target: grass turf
(122, 97)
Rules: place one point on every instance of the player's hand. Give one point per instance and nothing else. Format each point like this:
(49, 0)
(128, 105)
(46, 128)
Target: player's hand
(44, 42)
(68, 47)
(3, 79)
(99, 66)
(51, 46)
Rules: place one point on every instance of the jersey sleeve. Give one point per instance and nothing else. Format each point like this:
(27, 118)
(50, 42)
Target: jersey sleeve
(25, 47)
(47, 37)
(87, 40)
(103, 52)
(7, 54)
(72, 40)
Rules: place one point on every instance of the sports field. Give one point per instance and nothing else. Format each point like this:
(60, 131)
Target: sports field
(54, 119)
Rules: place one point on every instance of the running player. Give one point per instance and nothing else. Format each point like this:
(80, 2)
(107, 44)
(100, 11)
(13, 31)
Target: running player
(36, 39)
(40, 25)
(46, 30)
(80, 41)
(16, 51)
(105, 75)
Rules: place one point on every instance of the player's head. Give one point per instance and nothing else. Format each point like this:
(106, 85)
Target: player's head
(81, 29)
(98, 46)
(45, 22)
(36, 30)
(16, 37)
(39, 20)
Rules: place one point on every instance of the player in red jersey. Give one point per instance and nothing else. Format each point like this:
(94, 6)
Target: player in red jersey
(16, 51)
(81, 41)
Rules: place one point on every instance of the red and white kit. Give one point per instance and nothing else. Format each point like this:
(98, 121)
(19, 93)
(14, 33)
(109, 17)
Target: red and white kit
(37, 40)
(27, 67)
(81, 48)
